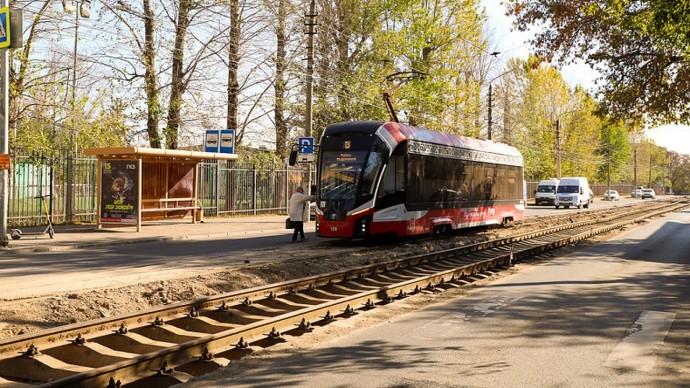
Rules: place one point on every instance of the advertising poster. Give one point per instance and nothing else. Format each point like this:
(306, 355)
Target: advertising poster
(119, 202)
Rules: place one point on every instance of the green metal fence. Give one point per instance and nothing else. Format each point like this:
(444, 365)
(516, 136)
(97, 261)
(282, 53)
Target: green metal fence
(38, 182)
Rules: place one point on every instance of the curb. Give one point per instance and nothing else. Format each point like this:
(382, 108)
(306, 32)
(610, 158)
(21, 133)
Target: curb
(136, 240)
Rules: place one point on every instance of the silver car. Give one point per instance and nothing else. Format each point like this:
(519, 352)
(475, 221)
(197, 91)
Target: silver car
(611, 195)
(648, 193)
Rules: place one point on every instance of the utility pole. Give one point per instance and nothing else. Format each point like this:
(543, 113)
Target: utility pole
(490, 122)
(608, 183)
(670, 181)
(650, 167)
(635, 168)
(558, 148)
(311, 31)
(80, 7)
(4, 133)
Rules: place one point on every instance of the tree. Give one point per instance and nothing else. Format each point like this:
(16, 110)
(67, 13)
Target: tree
(680, 173)
(233, 67)
(545, 99)
(639, 47)
(614, 151)
(130, 18)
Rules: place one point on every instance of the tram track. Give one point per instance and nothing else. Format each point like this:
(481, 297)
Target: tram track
(165, 345)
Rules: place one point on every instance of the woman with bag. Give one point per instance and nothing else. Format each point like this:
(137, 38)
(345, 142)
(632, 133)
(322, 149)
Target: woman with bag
(299, 212)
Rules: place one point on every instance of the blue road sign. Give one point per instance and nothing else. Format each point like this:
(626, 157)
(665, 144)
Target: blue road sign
(212, 140)
(4, 27)
(227, 141)
(306, 145)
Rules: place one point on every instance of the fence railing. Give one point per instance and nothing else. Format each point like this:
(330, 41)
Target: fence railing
(223, 190)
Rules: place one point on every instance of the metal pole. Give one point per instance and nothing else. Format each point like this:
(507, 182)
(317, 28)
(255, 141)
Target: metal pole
(310, 67)
(69, 191)
(4, 144)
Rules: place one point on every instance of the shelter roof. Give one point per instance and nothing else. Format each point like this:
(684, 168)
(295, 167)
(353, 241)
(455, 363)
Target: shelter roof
(156, 153)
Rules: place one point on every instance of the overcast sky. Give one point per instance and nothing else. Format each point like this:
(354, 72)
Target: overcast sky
(512, 44)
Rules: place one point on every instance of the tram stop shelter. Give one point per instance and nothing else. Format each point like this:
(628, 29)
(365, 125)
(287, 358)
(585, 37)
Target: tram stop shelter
(138, 184)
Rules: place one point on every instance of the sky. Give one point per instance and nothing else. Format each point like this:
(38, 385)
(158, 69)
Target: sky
(512, 44)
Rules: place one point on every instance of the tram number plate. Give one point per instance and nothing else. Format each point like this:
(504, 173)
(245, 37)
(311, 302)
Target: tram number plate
(334, 228)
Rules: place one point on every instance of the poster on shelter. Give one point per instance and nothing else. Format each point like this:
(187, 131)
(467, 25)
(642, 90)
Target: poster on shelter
(119, 201)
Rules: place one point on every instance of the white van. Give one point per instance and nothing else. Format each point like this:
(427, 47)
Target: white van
(546, 192)
(573, 192)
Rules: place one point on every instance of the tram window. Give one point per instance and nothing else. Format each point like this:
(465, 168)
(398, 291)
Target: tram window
(512, 182)
(399, 173)
(465, 179)
(477, 193)
(371, 170)
(500, 182)
(394, 177)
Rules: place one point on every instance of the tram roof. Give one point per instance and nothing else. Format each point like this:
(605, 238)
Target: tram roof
(402, 132)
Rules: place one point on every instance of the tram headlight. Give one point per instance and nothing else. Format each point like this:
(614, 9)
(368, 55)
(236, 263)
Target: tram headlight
(362, 226)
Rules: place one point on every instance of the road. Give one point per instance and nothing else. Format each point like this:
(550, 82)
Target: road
(616, 314)
(36, 273)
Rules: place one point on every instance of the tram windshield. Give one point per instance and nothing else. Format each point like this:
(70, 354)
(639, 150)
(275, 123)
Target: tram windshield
(348, 175)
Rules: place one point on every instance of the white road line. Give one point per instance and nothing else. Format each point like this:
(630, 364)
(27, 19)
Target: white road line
(637, 350)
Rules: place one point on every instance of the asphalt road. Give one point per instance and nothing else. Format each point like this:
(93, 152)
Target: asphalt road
(28, 274)
(616, 314)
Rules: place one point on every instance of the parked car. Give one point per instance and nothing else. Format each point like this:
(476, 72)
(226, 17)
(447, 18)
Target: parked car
(637, 192)
(648, 193)
(611, 195)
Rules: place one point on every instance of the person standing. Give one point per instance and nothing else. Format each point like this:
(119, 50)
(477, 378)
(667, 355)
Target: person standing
(299, 212)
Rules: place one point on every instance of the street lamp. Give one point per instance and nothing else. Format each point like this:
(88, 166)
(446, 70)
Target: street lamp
(85, 12)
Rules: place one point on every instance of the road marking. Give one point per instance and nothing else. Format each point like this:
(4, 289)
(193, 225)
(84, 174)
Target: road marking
(637, 350)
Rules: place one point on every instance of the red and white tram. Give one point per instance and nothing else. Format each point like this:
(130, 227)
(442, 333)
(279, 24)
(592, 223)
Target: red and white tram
(379, 178)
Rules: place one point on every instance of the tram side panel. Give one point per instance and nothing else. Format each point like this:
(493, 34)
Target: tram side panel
(421, 194)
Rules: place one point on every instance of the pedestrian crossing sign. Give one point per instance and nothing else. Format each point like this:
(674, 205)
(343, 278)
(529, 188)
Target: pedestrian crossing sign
(4, 27)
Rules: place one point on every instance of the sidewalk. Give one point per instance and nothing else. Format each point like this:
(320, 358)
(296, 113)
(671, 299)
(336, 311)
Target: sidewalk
(83, 236)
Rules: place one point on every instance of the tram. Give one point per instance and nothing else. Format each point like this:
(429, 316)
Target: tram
(387, 178)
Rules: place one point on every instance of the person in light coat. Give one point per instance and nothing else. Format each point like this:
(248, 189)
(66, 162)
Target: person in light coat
(299, 212)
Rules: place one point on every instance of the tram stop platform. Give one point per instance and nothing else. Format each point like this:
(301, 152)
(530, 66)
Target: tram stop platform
(69, 237)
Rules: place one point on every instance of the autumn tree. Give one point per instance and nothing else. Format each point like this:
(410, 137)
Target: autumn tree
(139, 23)
(639, 47)
(614, 151)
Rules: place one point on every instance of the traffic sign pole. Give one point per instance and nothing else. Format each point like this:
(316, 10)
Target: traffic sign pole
(4, 121)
